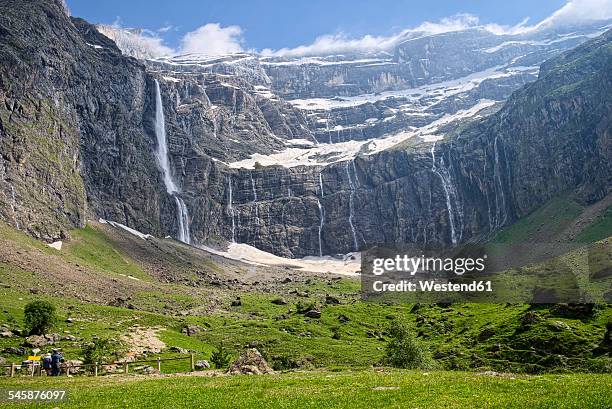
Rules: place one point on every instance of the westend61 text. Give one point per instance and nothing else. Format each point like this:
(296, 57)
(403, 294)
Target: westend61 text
(432, 286)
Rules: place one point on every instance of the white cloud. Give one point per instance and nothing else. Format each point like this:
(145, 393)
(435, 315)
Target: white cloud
(573, 12)
(579, 11)
(165, 28)
(212, 39)
(135, 42)
(340, 43)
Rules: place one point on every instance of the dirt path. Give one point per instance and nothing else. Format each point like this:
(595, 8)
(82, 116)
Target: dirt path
(141, 340)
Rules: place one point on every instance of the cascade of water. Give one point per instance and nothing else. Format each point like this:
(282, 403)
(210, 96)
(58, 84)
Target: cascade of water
(447, 193)
(321, 183)
(254, 196)
(14, 207)
(321, 221)
(184, 234)
(499, 189)
(230, 208)
(351, 203)
(164, 163)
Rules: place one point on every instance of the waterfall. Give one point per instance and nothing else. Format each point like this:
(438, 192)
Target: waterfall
(14, 208)
(183, 219)
(254, 196)
(351, 204)
(449, 192)
(321, 183)
(321, 220)
(498, 189)
(230, 209)
(164, 163)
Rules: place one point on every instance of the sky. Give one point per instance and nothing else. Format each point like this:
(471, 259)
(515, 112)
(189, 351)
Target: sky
(308, 26)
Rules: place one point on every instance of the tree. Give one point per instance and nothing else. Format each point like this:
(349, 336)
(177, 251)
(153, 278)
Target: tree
(220, 357)
(39, 317)
(404, 350)
(102, 351)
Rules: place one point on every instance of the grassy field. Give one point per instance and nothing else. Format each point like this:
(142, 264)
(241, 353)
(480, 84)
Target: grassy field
(113, 284)
(347, 389)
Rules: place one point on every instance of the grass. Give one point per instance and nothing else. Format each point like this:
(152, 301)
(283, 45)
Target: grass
(598, 230)
(541, 225)
(92, 247)
(354, 389)
(338, 349)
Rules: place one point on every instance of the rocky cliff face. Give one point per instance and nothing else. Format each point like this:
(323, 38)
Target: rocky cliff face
(418, 149)
(75, 130)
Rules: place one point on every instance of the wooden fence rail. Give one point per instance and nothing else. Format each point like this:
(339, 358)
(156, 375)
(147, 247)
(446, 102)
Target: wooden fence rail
(37, 367)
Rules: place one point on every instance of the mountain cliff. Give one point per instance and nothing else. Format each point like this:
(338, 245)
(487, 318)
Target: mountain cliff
(298, 157)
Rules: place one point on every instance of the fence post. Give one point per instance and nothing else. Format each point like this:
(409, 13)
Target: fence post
(192, 362)
(159, 364)
(67, 369)
(33, 369)
(96, 369)
(126, 368)
(12, 370)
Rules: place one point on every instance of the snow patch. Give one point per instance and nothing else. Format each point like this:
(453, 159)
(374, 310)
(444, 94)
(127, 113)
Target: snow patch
(350, 265)
(126, 228)
(57, 245)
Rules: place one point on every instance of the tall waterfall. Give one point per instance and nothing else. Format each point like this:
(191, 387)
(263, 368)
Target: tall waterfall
(450, 193)
(254, 196)
(499, 189)
(351, 204)
(230, 208)
(321, 182)
(164, 163)
(321, 221)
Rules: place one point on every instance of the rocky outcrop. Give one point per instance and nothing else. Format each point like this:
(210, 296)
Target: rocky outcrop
(77, 138)
(74, 133)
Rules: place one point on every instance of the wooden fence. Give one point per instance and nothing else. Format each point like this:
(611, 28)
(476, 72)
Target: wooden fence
(35, 368)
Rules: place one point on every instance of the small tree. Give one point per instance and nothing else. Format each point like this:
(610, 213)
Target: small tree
(404, 350)
(220, 357)
(39, 317)
(102, 351)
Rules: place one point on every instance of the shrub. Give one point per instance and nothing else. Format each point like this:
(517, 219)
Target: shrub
(405, 351)
(39, 317)
(220, 357)
(102, 351)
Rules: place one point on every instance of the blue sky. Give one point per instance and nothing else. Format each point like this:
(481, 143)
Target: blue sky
(277, 23)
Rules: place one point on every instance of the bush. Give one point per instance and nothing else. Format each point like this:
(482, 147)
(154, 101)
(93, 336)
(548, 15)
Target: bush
(102, 351)
(39, 317)
(220, 357)
(405, 351)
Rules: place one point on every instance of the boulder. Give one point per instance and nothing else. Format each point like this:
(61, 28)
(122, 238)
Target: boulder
(331, 300)
(14, 351)
(251, 362)
(279, 301)
(202, 364)
(192, 330)
(37, 341)
(572, 310)
(312, 314)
